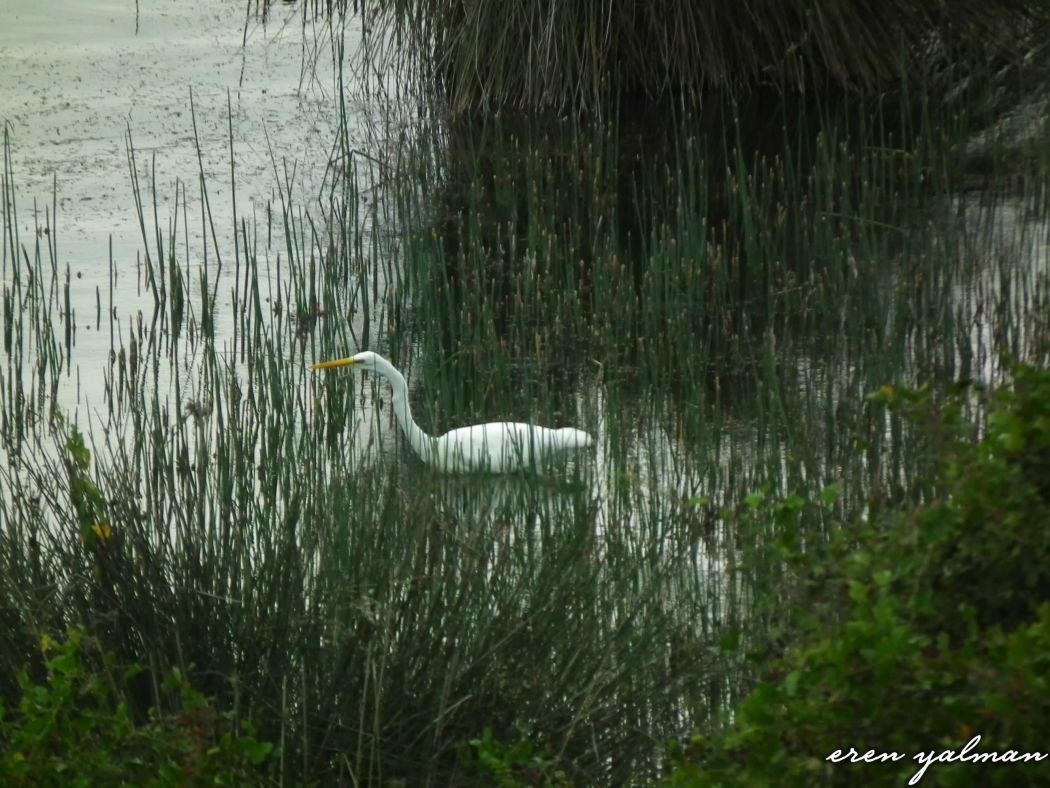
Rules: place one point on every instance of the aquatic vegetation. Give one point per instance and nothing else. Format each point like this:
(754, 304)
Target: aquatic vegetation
(197, 499)
(597, 57)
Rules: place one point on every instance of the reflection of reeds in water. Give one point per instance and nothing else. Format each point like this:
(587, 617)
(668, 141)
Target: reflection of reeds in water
(718, 332)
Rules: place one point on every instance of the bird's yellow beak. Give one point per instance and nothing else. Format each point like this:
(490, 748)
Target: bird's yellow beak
(343, 362)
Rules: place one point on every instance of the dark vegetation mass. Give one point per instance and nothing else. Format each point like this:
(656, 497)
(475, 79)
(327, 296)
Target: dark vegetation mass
(593, 55)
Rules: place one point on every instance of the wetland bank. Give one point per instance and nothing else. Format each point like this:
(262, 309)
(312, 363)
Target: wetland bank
(759, 308)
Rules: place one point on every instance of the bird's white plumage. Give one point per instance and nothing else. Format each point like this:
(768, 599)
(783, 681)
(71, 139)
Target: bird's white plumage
(498, 446)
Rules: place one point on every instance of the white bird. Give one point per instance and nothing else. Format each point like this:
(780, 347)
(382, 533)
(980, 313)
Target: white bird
(498, 446)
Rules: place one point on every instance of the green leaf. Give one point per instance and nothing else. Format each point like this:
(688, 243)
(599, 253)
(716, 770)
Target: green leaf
(858, 592)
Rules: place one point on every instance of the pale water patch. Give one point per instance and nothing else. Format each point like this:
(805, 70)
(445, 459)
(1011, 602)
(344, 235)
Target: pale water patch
(75, 78)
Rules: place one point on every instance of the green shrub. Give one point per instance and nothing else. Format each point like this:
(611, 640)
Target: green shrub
(75, 729)
(945, 633)
(520, 763)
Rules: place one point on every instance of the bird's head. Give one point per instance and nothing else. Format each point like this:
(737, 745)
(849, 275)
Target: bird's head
(365, 361)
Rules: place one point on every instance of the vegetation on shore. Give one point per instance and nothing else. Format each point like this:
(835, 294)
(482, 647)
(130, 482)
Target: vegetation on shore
(918, 629)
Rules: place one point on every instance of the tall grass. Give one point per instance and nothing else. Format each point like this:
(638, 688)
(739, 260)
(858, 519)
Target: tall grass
(363, 614)
(538, 56)
(715, 317)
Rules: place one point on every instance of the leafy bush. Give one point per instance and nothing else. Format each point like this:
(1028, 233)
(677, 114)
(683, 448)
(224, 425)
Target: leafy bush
(75, 730)
(512, 765)
(945, 631)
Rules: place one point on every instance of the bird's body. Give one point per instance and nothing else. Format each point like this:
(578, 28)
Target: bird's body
(497, 447)
(502, 446)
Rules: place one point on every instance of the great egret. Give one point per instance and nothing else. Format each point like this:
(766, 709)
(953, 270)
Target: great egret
(498, 446)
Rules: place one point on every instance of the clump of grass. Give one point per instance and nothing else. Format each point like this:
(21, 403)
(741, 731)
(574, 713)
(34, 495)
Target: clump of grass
(591, 56)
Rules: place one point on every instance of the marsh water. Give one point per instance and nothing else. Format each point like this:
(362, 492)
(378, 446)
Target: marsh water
(717, 318)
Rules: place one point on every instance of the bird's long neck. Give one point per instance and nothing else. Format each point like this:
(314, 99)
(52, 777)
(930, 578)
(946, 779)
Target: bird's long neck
(421, 443)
